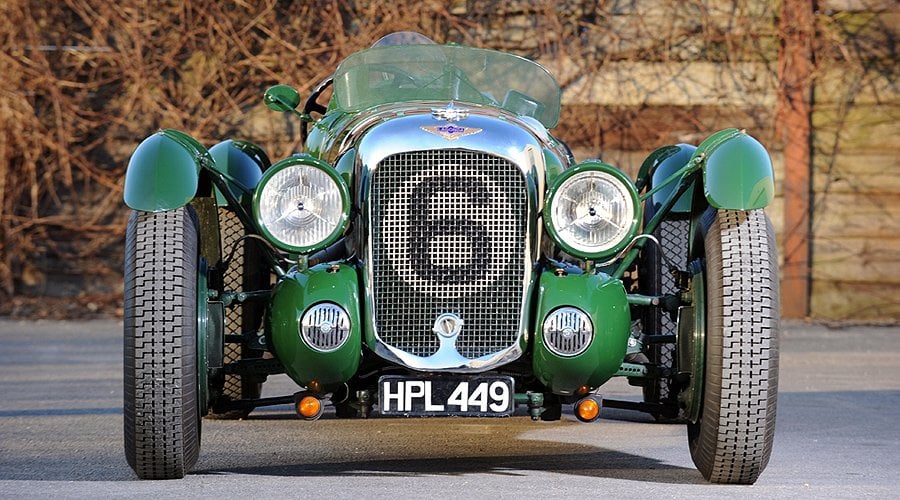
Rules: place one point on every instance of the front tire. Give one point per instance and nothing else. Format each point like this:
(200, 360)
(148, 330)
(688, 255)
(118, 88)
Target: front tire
(162, 424)
(732, 440)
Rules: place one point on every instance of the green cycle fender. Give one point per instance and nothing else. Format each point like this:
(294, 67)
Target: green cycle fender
(737, 171)
(164, 171)
(674, 159)
(243, 162)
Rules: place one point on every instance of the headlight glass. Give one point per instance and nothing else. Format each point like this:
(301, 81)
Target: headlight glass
(302, 206)
(592, 213)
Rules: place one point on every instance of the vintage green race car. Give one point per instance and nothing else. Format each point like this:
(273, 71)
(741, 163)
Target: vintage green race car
(434, 251)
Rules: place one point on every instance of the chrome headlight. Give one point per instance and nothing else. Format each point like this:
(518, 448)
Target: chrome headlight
(302, 204)
(592, 211)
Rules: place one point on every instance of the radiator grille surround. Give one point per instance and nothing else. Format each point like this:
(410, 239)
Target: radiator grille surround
(448, 235)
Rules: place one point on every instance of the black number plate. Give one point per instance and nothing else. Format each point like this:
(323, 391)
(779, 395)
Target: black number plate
(446, 396)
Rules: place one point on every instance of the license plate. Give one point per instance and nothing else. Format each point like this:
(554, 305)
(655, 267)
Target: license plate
(446, 396)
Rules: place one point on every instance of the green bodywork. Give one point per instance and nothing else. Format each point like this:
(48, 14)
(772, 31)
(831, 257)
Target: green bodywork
(170, 169)
(668, 161)
(603, 299)
(553, 166)
(344, 166)
(323, 134)
(293, 295)
(737, 171)
(166, 170)
(244, 162)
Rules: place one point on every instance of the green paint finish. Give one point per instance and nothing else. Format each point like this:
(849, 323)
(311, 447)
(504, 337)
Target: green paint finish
(203, 331)
(164, 172)
(291, 298)
(189, 143)
(553, 166)
(604, 300)
(650, 163)
(737, 171)
(242, 163)
(281, 98)
(667, 167)
(345, 166)
(323, 134)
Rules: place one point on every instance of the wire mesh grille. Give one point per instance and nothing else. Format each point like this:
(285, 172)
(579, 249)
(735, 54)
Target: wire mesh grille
(448, 235)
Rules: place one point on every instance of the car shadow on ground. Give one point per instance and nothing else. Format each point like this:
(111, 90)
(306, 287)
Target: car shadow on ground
(597, 464)
(449, 447)
(330, 448)
(86, 444)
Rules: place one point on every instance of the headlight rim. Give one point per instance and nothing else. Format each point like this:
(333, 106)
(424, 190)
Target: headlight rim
(303, 161)
(592, 166)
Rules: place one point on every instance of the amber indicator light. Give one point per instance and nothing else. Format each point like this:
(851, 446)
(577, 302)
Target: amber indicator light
(309, 407)
(587, 410)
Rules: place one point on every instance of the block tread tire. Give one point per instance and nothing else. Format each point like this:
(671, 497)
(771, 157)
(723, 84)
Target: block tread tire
(732, 440)
(161, 424)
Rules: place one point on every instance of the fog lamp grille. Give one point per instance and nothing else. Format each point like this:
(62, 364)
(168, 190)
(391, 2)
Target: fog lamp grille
(568, 331)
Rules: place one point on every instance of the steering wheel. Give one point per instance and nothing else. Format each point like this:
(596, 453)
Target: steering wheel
(312, 106)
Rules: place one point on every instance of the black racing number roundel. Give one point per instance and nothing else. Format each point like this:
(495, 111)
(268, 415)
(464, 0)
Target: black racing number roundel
(448, 248)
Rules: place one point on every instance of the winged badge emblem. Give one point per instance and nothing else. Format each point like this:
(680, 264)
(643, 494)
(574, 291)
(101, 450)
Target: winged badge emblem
(451, 132)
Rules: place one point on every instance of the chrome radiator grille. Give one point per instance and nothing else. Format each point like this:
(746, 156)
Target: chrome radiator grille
(448, 236)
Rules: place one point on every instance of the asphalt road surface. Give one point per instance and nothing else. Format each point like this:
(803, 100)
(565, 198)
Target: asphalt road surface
(838, 435)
